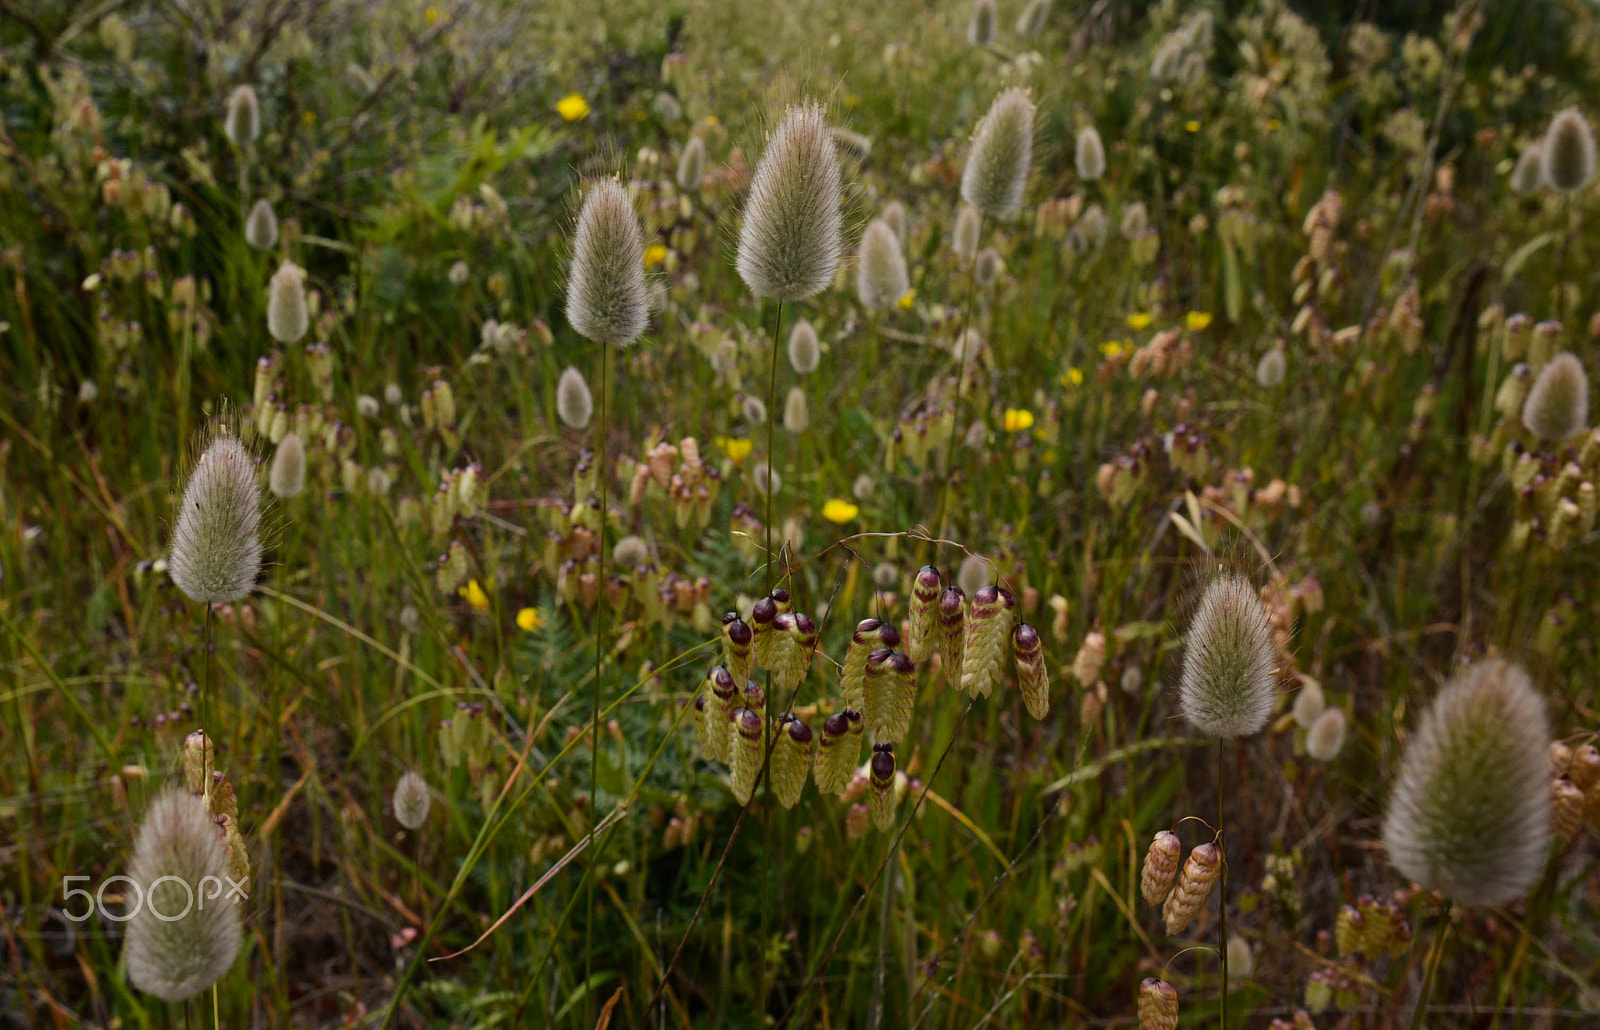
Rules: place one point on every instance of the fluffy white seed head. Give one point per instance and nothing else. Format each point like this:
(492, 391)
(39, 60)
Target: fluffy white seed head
(974, 574)
(894, 215)
(755, 409)
(997, 166)
(216, 542)
(1241, 960)
(1032, 20)
(1528, 175)
(762, 474)
(288, 318)
(242, 122)
(1568, 153)
(411, 800)
(606, 297)
(1326, 738)
(1091, 154)
(1470, 812)
(796, 412)
(1309, 704)
(1557, 407)
(791, 237)
(261, 228)
(692, 165)
(881, 277)
(1135, 220)
(964, 239)
(1229, 665)
(987, 266)
(981, 27)
(186, 934)
(1271, 369)
(805, 353)
(574, 402)
(288, 475)
(631, 552)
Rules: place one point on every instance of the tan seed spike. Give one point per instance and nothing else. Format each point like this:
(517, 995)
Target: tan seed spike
(1158, 1005)
(767, 644)
(870, 635)
(953, 633)
(882, 786)
(1348, 931)
(702, 728)
(736, 643)
(1566, 808)
(890, 688)
(988, 628)
(791, 759)
(1378, 918)
(724, 698)
(1194, 885)
(1160, 867)
(837, 752)
(1032, 677)
(746, 745)
(1585, 768)
(790, 657)
(924, 614)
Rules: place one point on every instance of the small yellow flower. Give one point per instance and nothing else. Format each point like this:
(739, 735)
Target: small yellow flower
(1197, 320)
(906, 300)
(431, 16)
(476, 598)
(1191, 125)
(1112, 348)
(572, 107)
(1273, 125)
(735, 447)
(711, 121)
(852, 100)
(309, 118)
(1138, 320)
(1018, 419)
(654, 254)
(528, 620)
(1074, 377)
(840, 511)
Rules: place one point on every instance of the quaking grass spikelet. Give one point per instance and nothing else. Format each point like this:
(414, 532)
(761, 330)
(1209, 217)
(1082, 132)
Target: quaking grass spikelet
(216, 539)
(704, 714)
(794, 657)
(1194, 884)
(746, 757)
(837, 751)
(791, 236)
(870, 635)
(791, 759)
(953, 633)
(923, 623)
(1158, 1005)
(766, 643)
(1470, 812)
(996, 172)
(988, 630)
(1566, 808)
(881, 797)
(1160, 867)
(889, 690)
(723, 695)
(1032, 677)
(736, 646)
(1229, 665)
(411, 800)
(1349, 930)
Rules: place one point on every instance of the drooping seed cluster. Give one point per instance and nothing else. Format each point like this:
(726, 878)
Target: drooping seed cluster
(1574, 789)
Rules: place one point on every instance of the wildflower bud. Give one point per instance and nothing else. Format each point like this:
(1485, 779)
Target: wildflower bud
(1470, 812)
(889, 690)
(411, 800)
(692, 165)
(242, 123)
(287, 316)
(1326, 738)
(1566, 808)
(1558, 404)
(1528, 175)
(870, 635)
(923, 624)
(177, 855)
(216, 543)
(1229, 667)
(574, 402)
(736, 638)
(1091, 154)
(261, 227)
(1348, 931)
(1032, 677)
(1160, 867)
(288, 475)
(882, 785)
(804, 351)
(837, 751)
(953, 633)
(981, 28)
(997, 166)
(988, 628)
(724, 697)
(791, 759)
(796, 413)
(1158, 1005)
(881, 277)
(745, 745)
(606, 297)
(791, 236)
(894, 216)
(1568, 153)
(1194, 885)
(964, 239)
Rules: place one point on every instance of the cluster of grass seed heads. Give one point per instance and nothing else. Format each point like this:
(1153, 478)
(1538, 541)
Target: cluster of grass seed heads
(1469, 814)
(870, 635)
(180, 863)
(607, 301)
(1090, 154)
(411, 800)
(288, 318)
(881, 277)
(805, 353)
(997, 166)
(1199, 875)
(261, 226)
(287, 477)
(574, 402)
(216, 541)
(1567, 154)
(1158, 1005)
(1557, 406)
(790, 240)
(1229, 675)
(242, 119)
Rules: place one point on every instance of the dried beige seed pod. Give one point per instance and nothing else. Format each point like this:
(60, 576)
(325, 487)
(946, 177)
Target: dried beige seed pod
(881, 276)
(923, 626)
(242, 122)
(1032, 678)
(574, 402)
(889, 690)
(791, 759)
(261, 226)
(953, 633)
(870, 635)
(790, 240)
(606, 297)
(988, 628)
(736, 646)
(745, 744)
(723, 696)
(216, 539)
(1567, 154)
(411, 800)
(997, 166)
(1160, 867)
(1194, 885)
(882, 799)
(1158, 1005)
(1230, 664)
(837, 751)
(288, 318)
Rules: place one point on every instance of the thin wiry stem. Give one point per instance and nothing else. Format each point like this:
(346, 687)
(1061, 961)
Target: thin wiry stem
(1433, 971)
(1222, 888)
(599, 644)
(961, 398)
(766, 822)
(205, 712)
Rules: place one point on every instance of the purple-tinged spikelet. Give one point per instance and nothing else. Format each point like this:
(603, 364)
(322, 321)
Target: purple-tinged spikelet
(889, 691)
(736, 641)
(805, 354)
(574, 402)
(606, 297)
(242, 121)
(745, 745)
(881, 783)
(766, 644)
(288, 318)
(1032, 677)
(997, 166)
(1090, 155)
(791, 759)
(1557, 407)
(186, 934)
(881, 277)
(837, 752)
(1229, 665)
(261, 227)
(953, 633)
(1160, 867)
(870, 635)
(724, 697)
(1566, 808)
(411, 800)
(216, 539)
(1194, 885)
(1567, 155)
(1470, 812)
(288, 475)
(1158, 1005)
(923, 623)
(795, 658)
(988, 629)
(791, 237)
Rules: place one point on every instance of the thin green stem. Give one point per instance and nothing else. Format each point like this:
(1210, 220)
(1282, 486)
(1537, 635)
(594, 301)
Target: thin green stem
(599, 646)
(772, 464)
(207, 742)
(1222, 886)
(962, 360)
(1428, 978)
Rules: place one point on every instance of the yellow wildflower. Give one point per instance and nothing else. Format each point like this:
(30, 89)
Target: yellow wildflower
(1192, 125)
(735, 447)
(839, 510)
(1273, 125)
(431, 16)
(906, 299)
(1197, 320)
(572, 107)
(476, 598)
(1138, 320)
(1018, 419)
(1112, 348)
(1074, 377)
(654, 254)
(528, 620)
